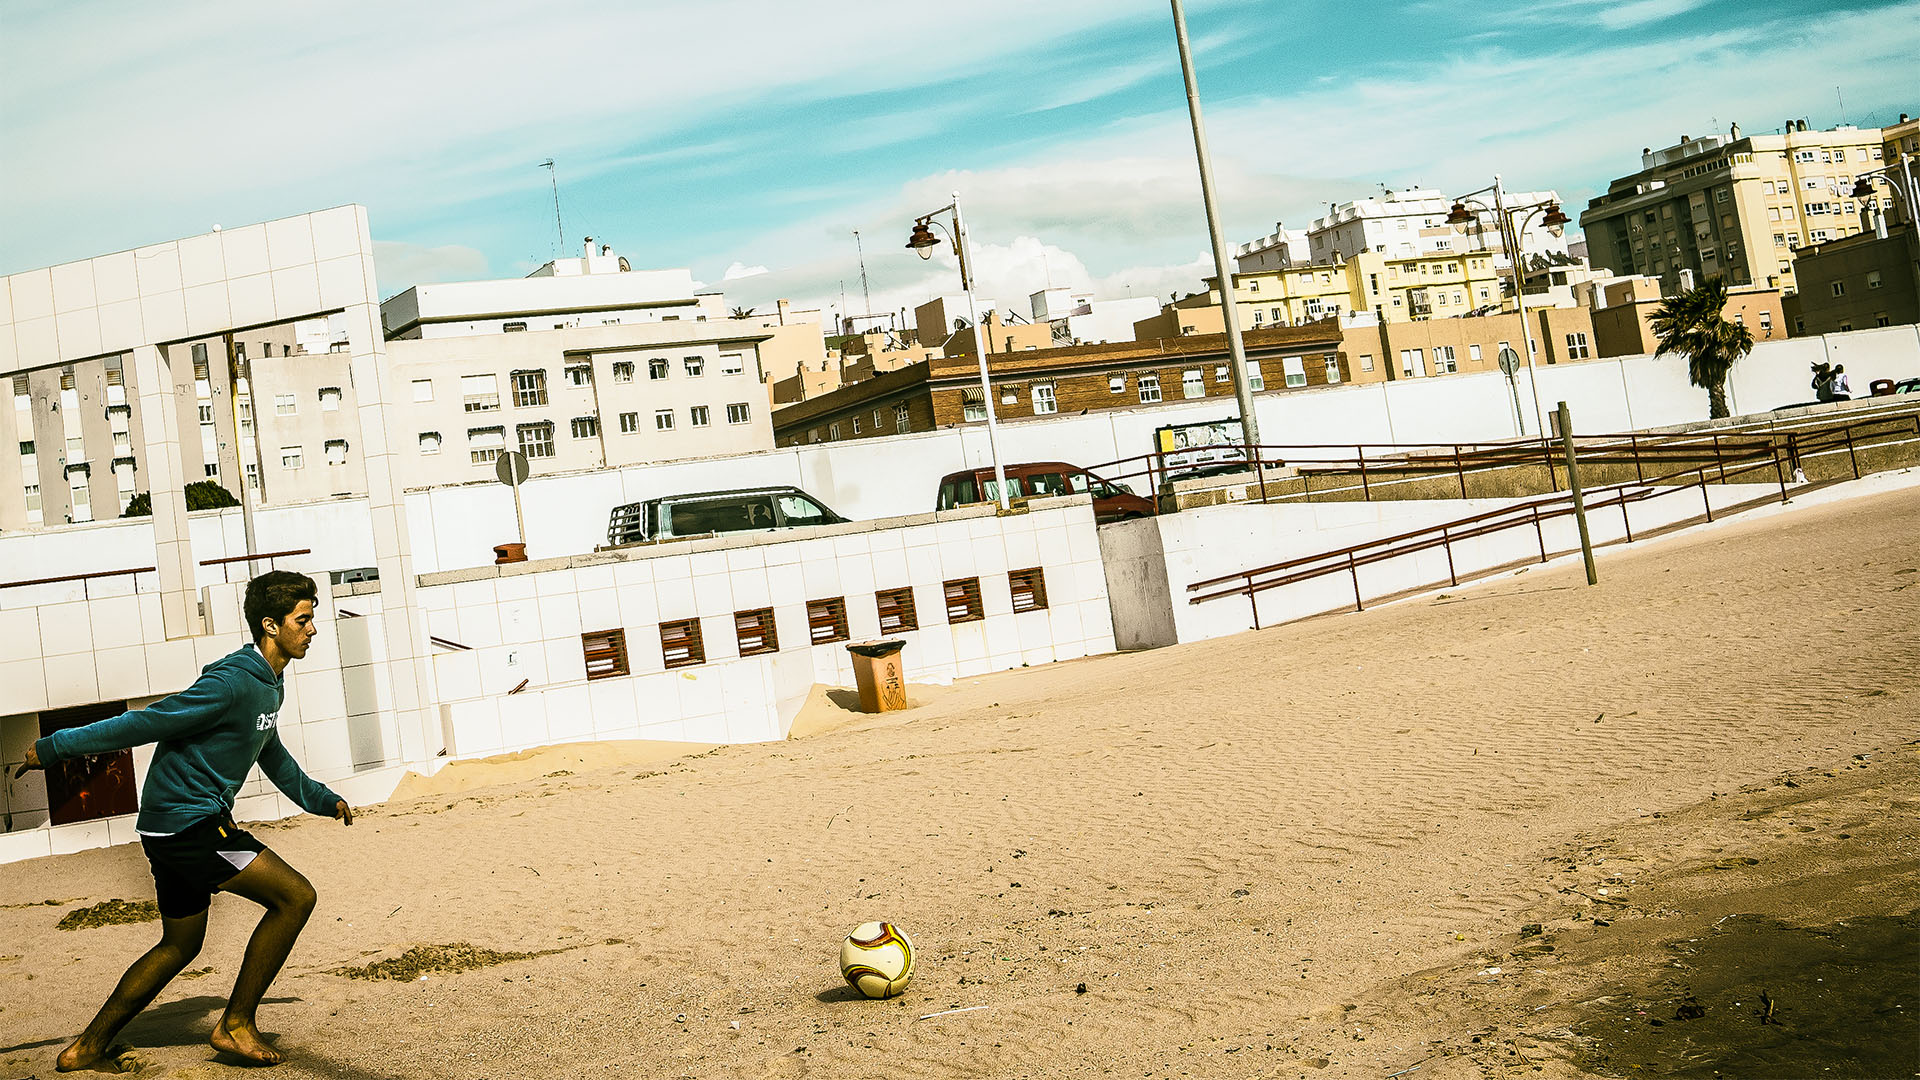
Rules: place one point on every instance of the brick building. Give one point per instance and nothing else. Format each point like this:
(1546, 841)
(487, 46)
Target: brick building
(944, 392)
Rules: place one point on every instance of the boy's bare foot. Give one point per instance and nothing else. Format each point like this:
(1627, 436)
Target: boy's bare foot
(241, 1039)
(81, 1055)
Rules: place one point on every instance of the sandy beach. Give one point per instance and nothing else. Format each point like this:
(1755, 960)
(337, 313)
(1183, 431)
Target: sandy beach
(1496, 831)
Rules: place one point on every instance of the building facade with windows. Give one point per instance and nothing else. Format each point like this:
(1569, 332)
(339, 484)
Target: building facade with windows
(1857, 283)
(1438, 286)
(1622, 314)
(1399, 225)
(945, 392)
(1733, 205)
(579, 398)
(1379, 351)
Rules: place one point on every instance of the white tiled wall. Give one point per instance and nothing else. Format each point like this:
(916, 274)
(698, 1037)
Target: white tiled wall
(526, 625)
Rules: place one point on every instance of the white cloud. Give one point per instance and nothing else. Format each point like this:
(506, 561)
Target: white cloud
(741, 270)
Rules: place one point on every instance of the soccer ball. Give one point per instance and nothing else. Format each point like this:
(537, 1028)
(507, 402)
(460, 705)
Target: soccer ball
(877, 959)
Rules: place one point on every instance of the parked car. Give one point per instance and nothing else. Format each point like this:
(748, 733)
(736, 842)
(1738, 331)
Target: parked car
(1039, 479)
(704, 513)
(1906, 386)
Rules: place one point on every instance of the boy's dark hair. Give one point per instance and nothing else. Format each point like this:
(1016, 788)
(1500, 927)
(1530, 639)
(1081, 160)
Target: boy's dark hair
(274, 595)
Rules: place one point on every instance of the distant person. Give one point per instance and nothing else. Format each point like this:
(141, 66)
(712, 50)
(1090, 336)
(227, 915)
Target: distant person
(1837, 388)
(209, 736)
(1822, 382)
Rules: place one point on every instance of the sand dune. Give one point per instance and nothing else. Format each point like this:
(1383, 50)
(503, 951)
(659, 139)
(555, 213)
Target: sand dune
(1292, 852)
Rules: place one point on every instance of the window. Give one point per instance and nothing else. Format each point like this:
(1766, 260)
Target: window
(856, 424)
(211, 469)
(1839, 288)
(1577, 348)
(1116, 384)
(1296, 372)
(755, 632)
(423, 389)
(833, 432)
(290, 457)
(484, 444)
(737, 413)
(680, 644)
(973, 404)
(479, 393)
(329, 399)
(1333, 368)
(1149, 388)
(1193, 383)
(1366, 361)
(579, 374)
(429, 442)
(33, 504)
(336, 451)
(122, 442)
(622, 371)
(1873, 279)
(1256, 379)
(1473, 353)
(206, 414)
(878, 419)
(1412, 362)
(694, 365)
(1721, 195)
(697, 416)
(963, 601)
(1043, 400)
(896, 610)
(529, 388)
(733, 363)
(827, 621)
(606, 653)
(1766, 321)
(586, 427)
(536, 440)
(284, 405)
(657, 368)
(80, 496)
(902, 418)
(629, 423)
(1220, 373)
(199, 353)
(1443, 360)
(1029, 589)
(513, 328)
(1009, 395)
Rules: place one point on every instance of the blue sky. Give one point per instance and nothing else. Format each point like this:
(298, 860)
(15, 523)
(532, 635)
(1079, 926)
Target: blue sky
(733, 136)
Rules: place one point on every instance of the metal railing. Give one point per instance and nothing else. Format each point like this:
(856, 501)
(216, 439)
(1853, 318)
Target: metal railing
(135, 571)
(1535, 513)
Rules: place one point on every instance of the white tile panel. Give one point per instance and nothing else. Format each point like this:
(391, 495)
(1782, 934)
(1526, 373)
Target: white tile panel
(23, 685)
(35, 340)
(164, 315)
(79, 836)
(157, 269)
(479, 627)
(474, 728)
(79, 332)
(342, 282)
(27, 844)
(296, 292)
(65, 628)
(675, 599)
(523, 720)
(559, 616)
(115, 621)
(566, 660)
(520, 620)
(32, 294)
(250, 299)
(201, 260)
(554, 583)
(20, 629)
(207, 310)
(245, 250)
(857, 578)
(712, 595)
(120, 325)
(171, 665)
(290, 241)
(122, 672)
(612, 706)
(569, 717)
(821, 578)
(336, 232)
(599, 610)
(751, 589)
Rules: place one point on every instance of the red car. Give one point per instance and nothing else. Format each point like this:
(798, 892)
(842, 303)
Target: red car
(1040, 479)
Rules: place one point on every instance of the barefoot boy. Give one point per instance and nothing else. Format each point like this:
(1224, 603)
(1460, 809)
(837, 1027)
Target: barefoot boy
(209, 736)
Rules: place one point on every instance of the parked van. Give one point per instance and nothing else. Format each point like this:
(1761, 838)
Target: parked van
(1039, 479)
(707, 512)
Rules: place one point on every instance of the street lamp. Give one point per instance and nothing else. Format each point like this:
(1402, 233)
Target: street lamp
(1512, 223)
(1908, 193)
(922, 241)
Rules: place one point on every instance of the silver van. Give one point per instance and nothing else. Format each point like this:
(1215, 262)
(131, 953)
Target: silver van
(707, 513)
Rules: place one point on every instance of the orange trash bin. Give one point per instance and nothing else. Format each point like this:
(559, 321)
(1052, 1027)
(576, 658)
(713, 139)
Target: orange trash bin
(879, 676)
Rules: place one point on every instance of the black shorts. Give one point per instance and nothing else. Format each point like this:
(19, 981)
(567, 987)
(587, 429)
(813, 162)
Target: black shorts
(192, 864)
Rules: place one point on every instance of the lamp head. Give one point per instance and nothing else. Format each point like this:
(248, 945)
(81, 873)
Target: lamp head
(922, 241)
(1555, 220)
(1459, 215)
(1862, 189)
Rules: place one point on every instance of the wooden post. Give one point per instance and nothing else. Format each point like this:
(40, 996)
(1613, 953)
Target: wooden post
(1579, 500)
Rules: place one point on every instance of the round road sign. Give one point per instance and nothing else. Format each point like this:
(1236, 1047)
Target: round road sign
(511, 468)
(1509, 361)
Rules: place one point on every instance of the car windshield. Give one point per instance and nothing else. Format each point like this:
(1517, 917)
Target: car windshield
(800, 510)
(1040, 484)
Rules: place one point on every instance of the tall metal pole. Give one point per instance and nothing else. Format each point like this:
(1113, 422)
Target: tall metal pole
(559, 230)
(979, 347)
(1236, 349)
(866, 294)
(1514, 257)
(1573, 487)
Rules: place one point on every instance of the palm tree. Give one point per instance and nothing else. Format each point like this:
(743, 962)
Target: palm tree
(1694, 324)
(742, 312)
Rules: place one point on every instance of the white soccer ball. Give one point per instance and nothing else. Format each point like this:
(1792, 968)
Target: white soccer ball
(877, 959)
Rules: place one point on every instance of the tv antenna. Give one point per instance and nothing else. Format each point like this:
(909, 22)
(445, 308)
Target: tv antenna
(866, 297)
(559, 231)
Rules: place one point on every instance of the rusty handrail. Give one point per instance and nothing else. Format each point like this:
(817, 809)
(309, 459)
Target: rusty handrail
(89, 575)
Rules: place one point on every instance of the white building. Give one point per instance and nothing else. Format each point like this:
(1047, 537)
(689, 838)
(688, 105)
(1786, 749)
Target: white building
(1079, 319)
(1400, 224)
(598, 289)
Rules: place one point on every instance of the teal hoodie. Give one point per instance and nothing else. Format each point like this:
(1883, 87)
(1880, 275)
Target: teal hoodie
(210, 734)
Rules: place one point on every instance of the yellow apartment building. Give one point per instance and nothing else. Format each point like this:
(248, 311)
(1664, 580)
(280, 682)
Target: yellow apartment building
(1436, 285)
(1733, 205)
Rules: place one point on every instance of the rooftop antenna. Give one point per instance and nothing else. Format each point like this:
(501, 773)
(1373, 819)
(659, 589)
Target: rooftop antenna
(866, 297)
(1843, 104)
(560, 233)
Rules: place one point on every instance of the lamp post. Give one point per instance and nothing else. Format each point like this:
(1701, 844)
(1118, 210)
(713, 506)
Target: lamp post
(923, 241)
(1512, 223)
(1905, 189)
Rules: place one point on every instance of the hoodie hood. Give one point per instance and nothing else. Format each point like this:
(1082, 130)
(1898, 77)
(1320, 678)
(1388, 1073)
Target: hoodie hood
(247, 662)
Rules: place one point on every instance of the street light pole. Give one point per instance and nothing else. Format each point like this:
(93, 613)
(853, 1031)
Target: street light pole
(1236, 349)
(1511, 232)
(923, 241)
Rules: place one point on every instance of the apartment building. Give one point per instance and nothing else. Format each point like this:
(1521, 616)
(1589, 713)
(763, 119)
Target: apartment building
(1900, 155)
(1858, 282)
(939, 323)
(1733, 205)
(598, 289)
(945, 391)
(1399, 225)
(1622, 312)
(1439, 285)
(1079, 319)
(1376, 350)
